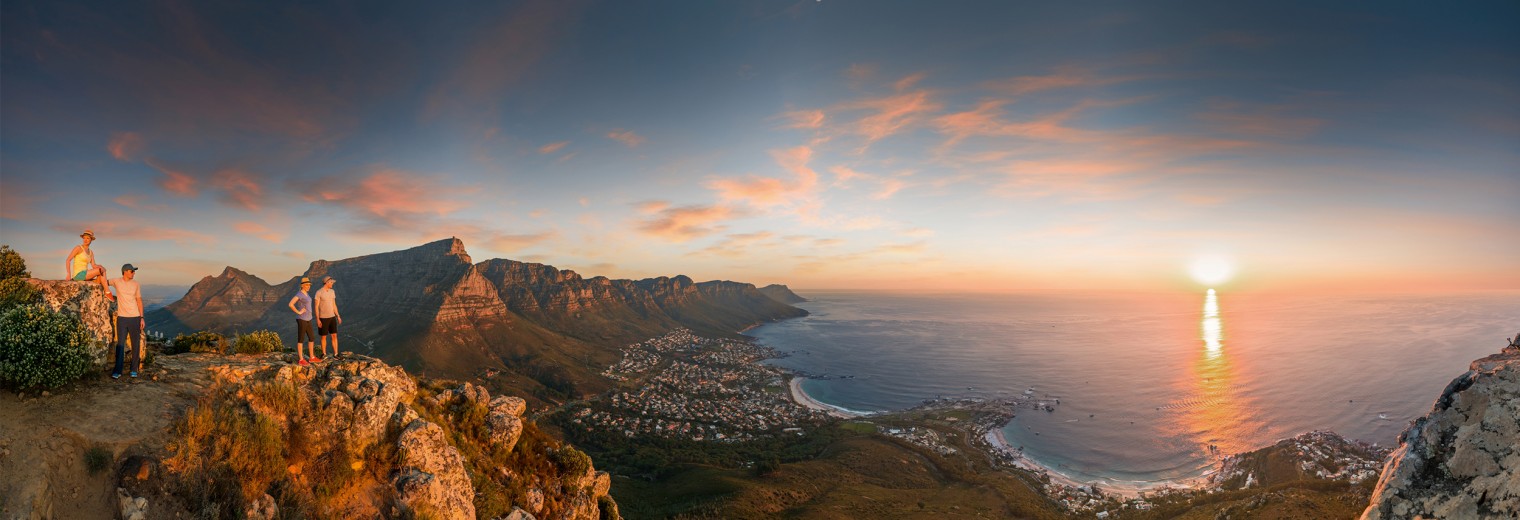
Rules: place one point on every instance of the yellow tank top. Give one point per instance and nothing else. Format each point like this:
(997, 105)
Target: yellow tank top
(82, 261)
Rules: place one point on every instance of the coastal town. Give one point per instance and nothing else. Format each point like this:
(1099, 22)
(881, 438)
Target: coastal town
(682, 386)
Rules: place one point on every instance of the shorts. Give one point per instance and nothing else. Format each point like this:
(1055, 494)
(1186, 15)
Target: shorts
(79, 276)
(327, 326)
(303, 332)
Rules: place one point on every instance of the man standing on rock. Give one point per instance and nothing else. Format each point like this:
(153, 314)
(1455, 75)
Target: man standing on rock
(129, 319)
(303, 322)
(327, 316)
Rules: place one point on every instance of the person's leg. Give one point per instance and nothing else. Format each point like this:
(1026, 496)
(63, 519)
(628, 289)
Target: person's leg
(134, 333)
(116, 372)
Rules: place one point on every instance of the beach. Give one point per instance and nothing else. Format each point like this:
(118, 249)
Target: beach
(997, 442)
(803, 399)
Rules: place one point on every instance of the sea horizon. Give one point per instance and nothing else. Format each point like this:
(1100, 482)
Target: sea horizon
(883, 351)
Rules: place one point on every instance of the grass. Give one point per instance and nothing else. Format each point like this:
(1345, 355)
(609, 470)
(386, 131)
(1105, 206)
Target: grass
(97, 458)
(858, 427)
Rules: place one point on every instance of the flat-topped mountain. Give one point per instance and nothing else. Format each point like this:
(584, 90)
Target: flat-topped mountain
(782, 293)
(432, 309)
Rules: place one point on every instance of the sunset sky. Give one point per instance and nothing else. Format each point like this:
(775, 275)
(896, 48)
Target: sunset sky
(986, 146)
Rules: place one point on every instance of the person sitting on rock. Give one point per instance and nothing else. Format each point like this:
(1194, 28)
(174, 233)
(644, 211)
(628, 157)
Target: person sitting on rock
(129, 319)
(80, 264)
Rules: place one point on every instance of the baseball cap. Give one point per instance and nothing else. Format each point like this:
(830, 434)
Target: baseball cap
(128, 267)
(327, 279)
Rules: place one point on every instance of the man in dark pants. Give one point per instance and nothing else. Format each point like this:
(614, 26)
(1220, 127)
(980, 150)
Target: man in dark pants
(129, 319)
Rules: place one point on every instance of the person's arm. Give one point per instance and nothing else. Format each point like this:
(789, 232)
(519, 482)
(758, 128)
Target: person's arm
(68, 264)
(292, 304)
(337, 314)
(142, 320)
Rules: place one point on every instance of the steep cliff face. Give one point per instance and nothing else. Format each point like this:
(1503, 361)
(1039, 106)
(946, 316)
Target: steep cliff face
(429, 308)
(1462, 460)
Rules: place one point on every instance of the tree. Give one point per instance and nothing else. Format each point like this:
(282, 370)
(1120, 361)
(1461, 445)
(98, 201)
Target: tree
(14, 290)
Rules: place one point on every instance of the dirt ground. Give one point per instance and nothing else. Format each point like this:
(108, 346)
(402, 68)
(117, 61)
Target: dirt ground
(43, 439)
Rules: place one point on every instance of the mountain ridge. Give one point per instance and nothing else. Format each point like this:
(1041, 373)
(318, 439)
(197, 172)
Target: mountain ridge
(431, 308)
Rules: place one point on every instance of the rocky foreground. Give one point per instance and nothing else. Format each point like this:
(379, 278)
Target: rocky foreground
(204, 435)
(1462, 460)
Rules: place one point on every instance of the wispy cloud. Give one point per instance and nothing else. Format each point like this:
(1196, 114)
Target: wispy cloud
(501, 55)
(260, 231)
(510, 242)
(1276, 121)
(174, 181)
(627, 137)
(1062, 78)
(385, 196)
(239, 189)
(125, 146)
(553, 147)
(809, 119)
(683, 223)
(123, 228)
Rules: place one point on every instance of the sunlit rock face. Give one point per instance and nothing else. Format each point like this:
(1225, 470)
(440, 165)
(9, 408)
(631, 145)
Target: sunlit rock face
(86, 301)
(1462, 460)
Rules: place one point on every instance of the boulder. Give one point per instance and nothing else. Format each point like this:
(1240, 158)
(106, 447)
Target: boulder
(262, 509)
(535, 500)
(504, 430)
(509, 404)
(88, 302)
(362, 394)
(518, 514)
(1462, 460)
(132, 508)
(430, 473)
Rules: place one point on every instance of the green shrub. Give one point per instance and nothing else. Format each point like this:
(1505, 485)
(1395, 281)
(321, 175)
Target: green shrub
(14, 290)
(97, 458)
(570, 460)
(257, 342)
(40, 348)
(203, 341)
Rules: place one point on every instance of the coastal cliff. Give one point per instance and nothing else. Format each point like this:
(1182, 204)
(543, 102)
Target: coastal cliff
(782, 293)
(1462, 460)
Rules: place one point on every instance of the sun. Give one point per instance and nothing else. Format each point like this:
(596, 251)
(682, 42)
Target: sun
(1211, 270)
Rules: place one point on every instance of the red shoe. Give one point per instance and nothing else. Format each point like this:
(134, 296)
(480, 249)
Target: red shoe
(316, 360)
(303, 362)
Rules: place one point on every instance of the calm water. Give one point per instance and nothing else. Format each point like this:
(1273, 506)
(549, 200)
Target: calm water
(1148, 384)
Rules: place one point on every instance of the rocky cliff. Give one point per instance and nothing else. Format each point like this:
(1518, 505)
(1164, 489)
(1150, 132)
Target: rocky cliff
(782, 293)
(1462, 460)
(432, 308)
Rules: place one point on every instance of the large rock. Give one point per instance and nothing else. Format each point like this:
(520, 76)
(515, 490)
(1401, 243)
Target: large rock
(430, 473)
(86, 301)
(1462, 460)
(361, 394)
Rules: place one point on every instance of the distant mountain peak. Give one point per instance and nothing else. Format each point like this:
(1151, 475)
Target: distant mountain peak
(781, 293)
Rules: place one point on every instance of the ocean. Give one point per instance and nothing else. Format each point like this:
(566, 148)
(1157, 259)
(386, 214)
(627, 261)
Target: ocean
(1152, 389)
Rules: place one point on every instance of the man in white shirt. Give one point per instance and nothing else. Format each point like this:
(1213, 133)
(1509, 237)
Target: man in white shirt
(129, 319)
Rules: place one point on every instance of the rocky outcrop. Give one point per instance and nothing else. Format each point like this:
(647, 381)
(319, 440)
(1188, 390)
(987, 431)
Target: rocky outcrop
(88, 302)
(781, 293)
(1462, 460)
(430, 475)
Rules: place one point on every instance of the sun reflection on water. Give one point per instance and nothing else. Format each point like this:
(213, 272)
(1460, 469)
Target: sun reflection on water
(1214, 414)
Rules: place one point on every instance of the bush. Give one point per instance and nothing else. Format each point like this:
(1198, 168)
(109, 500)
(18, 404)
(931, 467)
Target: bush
(257, 343)
(14, 290)
(203, 341)
(41, 348)
(571, 461)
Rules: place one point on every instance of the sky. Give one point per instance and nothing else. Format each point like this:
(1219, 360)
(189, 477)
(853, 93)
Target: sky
(843, 144)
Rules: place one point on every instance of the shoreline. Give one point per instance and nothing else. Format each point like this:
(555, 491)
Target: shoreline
(801, 397)
(998, 443)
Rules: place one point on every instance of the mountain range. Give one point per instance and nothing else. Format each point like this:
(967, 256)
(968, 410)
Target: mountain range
(433, 310)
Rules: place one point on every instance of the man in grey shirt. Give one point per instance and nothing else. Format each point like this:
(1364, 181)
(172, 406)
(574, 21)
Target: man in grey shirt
(129, 318)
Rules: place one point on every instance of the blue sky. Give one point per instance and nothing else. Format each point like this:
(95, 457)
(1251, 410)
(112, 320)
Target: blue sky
(945, 146)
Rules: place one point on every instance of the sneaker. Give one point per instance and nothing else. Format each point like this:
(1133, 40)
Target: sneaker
(317, 360)
(134, 374)
(303, 363)
(115, 375)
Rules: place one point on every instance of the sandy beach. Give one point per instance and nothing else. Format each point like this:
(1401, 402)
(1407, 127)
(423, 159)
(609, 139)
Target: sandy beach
(996, 439)
(803, 399)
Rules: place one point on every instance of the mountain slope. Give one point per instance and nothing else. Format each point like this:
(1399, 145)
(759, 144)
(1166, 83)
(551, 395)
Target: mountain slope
(782, 293)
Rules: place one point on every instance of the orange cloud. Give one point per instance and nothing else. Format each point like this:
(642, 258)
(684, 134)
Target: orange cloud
(174, 181)
(553, 147)
(986, 120)
(626, 137)
(843, 175)
(128, 229)
(811, 119)
(889, 187)
(239, 189)
(682, 223)
(770, 191)
(891, 114)
(738, 245)
(1061, 78)
(395, 197)
(907, 82)
(125, 146)
(515, 242)
(259, 230)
